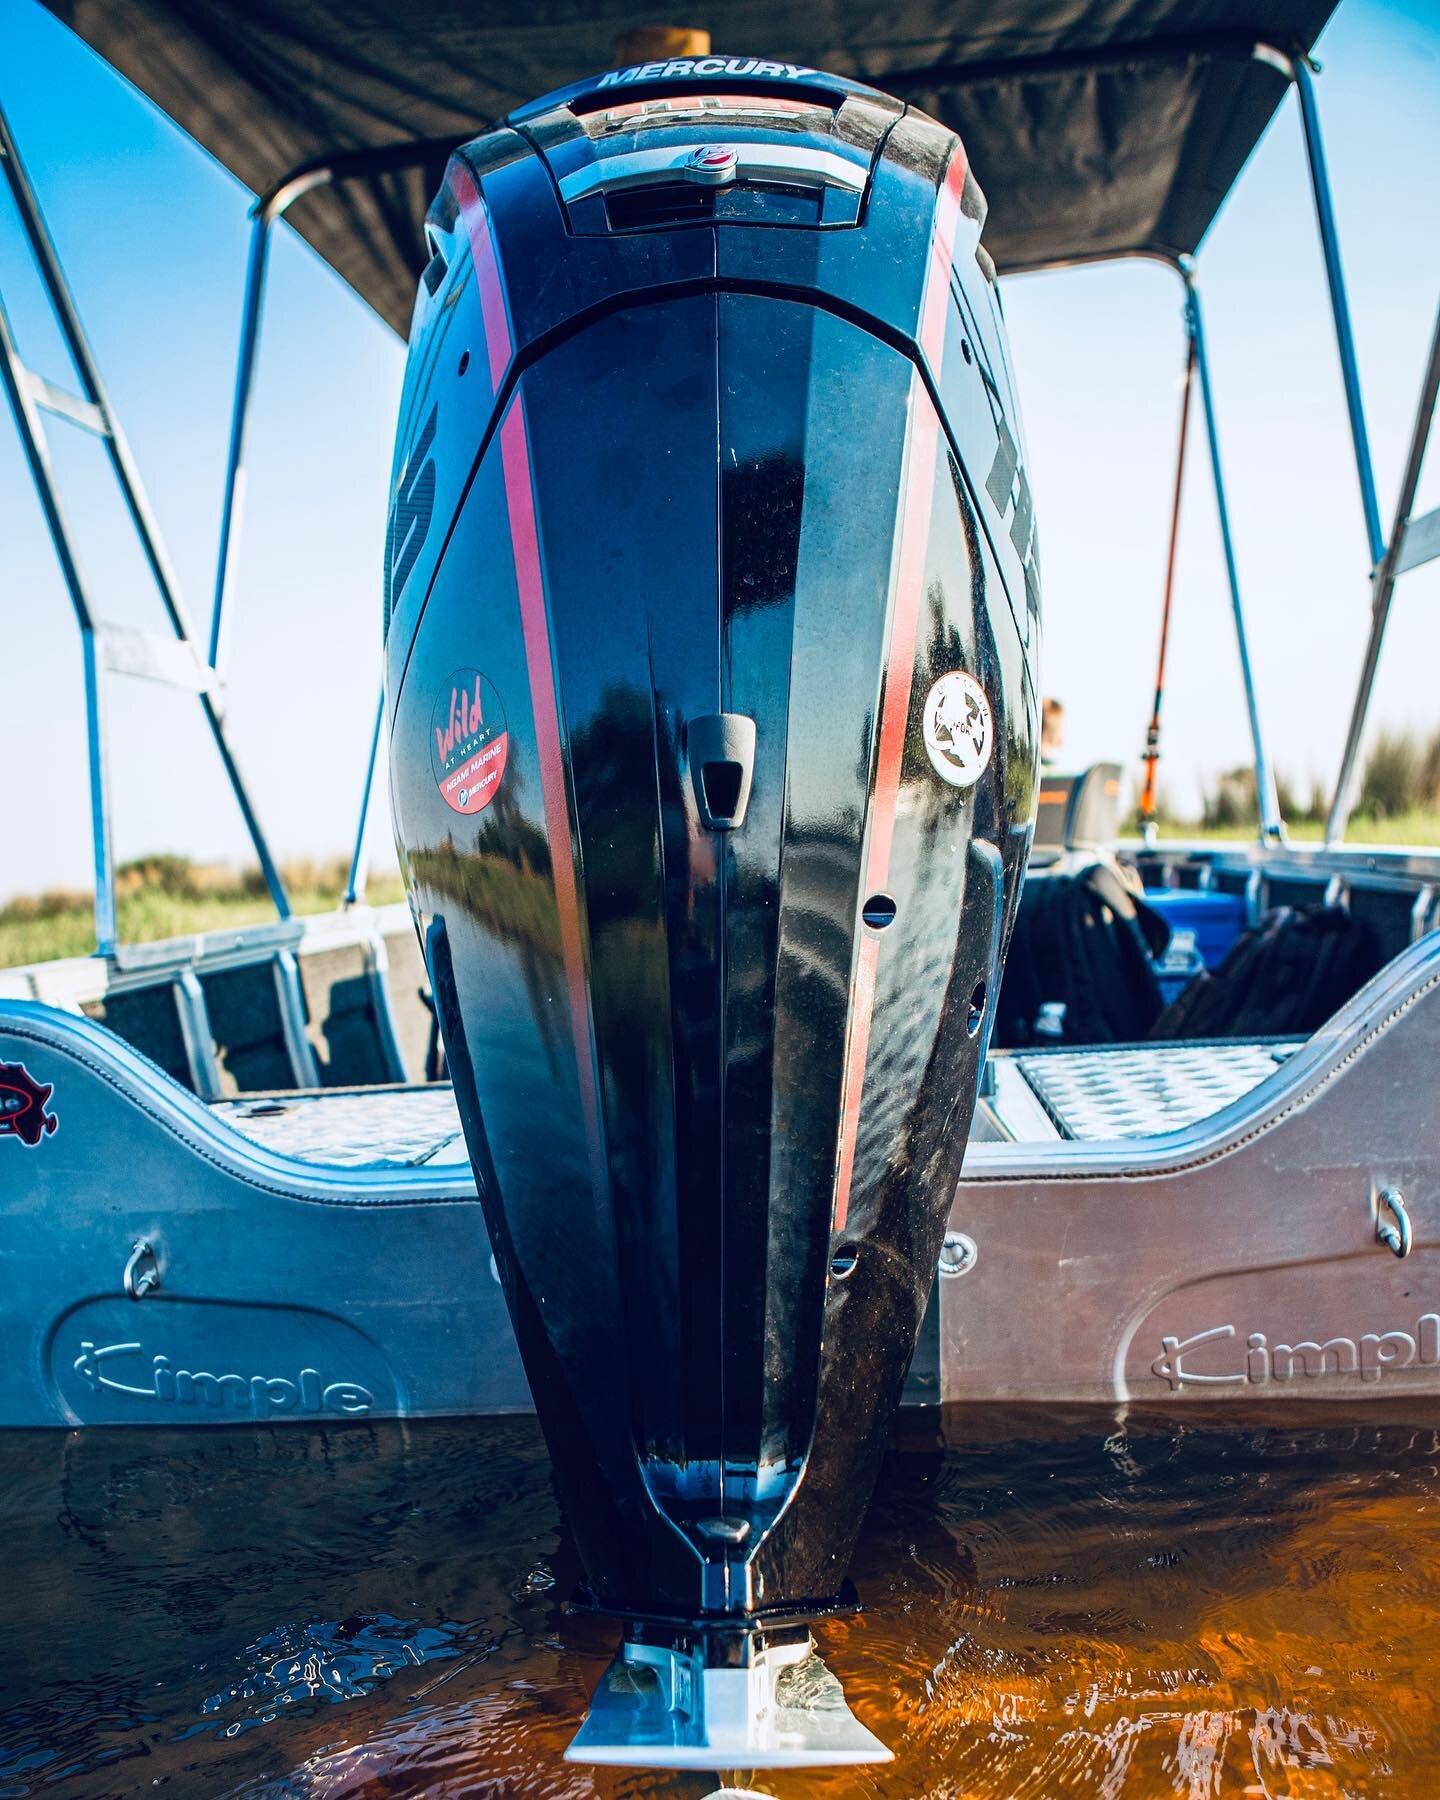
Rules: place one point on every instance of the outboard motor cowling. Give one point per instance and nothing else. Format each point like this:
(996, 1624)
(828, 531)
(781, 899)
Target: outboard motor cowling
(711, 614)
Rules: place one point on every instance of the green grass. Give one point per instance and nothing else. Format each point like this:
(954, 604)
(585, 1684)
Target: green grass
(168, 896)
(1419, 829)
(1397, 800)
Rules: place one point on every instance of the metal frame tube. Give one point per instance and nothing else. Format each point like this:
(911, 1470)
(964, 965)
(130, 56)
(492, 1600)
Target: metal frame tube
(233, 502)
(37, 455)
(107, 918)
(355, 886)
(52, 275)
(1339, 303)
(266, 211)
(1272, 828)
(1382, 593)
(269, 209)
(47, 261)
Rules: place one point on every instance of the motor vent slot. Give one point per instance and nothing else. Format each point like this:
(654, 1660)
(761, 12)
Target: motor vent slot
(741, 203)
(673, 203)
(752, 181)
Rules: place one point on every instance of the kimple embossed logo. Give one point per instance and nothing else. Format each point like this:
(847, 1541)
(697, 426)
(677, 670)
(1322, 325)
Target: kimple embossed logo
(469, 742)
(103, 1368)
(1210, 1358)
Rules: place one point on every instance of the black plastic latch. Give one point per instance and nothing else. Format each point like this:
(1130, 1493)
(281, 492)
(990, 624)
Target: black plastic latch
(721, 749)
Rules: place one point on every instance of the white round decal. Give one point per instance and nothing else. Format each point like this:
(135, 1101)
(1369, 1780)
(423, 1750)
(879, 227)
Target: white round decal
(958, 729)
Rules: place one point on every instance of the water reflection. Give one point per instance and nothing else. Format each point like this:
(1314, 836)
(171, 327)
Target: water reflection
(1055, 1604)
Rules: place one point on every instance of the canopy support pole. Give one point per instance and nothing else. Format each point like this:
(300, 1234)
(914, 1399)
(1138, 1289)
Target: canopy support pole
(267, 212)
(1272, 828)
(231, 505)
(1339, 303)
(1389, 558)
(359, 862)
(1410, 545)
(175, 660)
(269, 209)
(18, 390)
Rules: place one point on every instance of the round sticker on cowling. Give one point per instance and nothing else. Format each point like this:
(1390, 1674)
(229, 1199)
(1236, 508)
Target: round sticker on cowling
(958, 729)
(468, 742)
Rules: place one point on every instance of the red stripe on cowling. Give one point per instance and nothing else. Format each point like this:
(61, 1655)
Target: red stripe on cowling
(923, 454)
(889, 755)
(535, 624)
(539, 663)
(904, 630)
(862, 1008)
(934, 310)
(499, 346)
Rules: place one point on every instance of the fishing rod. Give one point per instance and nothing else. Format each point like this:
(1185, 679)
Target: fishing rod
(1148, 793)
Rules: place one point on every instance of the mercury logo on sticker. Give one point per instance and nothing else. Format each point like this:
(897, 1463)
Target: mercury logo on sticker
(469, 742)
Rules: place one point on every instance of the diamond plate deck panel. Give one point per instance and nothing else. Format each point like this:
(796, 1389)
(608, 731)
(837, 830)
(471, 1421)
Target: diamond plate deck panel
(1103, 1093)
(1091, 1095)
(354, 1128)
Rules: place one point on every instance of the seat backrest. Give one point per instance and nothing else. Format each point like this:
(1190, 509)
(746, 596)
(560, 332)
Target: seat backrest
(1077, 811)
(345, 1029)
(1051, 811)
(1080, 962)
(149, 1018)
(1092, 821)
(252, 1049)
(334, 1000)
(411, 1015)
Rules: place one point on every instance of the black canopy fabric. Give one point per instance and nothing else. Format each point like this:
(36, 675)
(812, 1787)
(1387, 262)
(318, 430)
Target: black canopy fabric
(1096, 127)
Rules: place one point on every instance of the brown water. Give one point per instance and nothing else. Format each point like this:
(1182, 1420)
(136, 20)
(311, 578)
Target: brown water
(1055, 1606)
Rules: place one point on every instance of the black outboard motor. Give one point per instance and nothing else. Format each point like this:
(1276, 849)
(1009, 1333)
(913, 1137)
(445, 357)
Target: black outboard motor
(711, 621)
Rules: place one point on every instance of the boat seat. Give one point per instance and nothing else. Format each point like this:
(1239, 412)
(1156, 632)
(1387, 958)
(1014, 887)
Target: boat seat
(254, 1051)
(333, 1000)
(1079, 811)
(151, 1018)
(347, 1027)
(408, 987)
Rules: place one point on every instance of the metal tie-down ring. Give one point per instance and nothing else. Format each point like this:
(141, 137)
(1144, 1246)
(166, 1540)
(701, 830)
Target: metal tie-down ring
(1397, 1236)
(142, 1271)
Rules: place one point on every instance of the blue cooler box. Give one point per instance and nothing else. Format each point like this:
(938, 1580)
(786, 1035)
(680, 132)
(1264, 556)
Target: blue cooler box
(1203, 925)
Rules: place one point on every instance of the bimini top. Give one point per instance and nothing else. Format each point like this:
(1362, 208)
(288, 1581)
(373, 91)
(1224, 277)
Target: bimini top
(1096, 127)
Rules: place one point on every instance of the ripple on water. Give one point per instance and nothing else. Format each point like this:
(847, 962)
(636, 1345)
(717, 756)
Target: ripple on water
(331, 1661)
(1055, 1604)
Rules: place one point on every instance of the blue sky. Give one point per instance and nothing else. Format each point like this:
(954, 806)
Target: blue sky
(153, 235)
